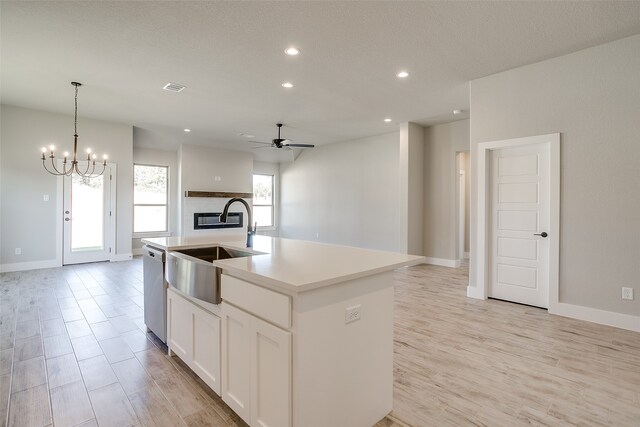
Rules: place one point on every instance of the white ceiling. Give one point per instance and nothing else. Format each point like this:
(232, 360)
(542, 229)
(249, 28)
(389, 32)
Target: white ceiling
(230, 56)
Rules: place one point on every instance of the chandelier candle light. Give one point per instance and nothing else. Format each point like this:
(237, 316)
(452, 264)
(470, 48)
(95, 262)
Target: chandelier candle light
(70, 168)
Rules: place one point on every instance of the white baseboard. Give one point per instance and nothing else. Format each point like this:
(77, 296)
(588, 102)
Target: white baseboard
(466, 255)
(595, 315)
(31, 265)
(137, 251)
(589, 314)
(121, 257)
(443, 262)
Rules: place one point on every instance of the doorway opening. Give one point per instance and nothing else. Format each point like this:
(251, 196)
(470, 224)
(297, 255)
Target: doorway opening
(462, 220)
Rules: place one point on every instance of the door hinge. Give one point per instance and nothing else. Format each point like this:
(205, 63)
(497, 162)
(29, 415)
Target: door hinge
(109, 213)
(110, 177)
(109, 250)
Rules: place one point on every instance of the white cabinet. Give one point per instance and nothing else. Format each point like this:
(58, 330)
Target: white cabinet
(179, 325)
(270, 375)
(206, 347)
(236, 360)
(193, 334)
(256, 368)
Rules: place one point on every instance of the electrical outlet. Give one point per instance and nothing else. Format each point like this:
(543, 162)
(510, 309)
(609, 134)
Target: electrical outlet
(45, 198)
(18, 251)
(352, 314)
(627, 293)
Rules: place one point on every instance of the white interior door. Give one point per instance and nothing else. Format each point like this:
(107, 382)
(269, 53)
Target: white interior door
(520, 221)
(86, 219)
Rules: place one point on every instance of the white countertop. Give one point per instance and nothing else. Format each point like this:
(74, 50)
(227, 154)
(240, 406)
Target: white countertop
(293, 265)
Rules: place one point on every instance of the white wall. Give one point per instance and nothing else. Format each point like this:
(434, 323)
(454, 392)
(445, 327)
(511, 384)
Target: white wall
(198, 167)
(148, 156)
(26, 220)
(441, 143)
(344, 193)
(592, 97)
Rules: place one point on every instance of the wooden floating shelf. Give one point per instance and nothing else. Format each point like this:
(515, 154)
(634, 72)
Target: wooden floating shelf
(221, 194)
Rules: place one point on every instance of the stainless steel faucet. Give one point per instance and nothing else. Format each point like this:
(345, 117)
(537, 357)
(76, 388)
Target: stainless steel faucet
(250, 231)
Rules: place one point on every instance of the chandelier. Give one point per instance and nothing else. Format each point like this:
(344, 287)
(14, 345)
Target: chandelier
(70, 167)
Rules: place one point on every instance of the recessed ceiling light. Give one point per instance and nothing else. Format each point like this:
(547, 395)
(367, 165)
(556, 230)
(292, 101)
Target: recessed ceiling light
(287, 85)
(292, 51)
(457, 111)
(403, 74)
(387, 120)
(187, 130)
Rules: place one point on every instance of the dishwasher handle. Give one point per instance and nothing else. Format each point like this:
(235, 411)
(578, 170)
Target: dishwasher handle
(151, 252)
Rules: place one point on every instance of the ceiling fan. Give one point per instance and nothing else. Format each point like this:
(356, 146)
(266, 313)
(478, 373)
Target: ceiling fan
(282, 143)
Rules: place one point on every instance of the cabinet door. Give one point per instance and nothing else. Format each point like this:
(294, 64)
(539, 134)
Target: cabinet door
(236, 360)
(270, 375)
(179, 325)
(206, 347)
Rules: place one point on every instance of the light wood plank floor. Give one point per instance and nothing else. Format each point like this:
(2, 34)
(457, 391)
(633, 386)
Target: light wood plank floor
(460, 361)
(73, 352)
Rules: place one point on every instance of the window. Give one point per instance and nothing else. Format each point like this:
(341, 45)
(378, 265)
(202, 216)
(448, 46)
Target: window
(263, 200)
(150, 198)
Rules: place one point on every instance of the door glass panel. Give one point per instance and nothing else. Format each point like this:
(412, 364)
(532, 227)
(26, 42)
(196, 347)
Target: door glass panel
(87, 214)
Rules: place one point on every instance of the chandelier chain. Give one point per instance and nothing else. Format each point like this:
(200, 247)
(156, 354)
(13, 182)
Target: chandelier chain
(75, 115)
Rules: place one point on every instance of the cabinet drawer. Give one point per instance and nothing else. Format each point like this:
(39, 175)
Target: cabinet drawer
(264, 303)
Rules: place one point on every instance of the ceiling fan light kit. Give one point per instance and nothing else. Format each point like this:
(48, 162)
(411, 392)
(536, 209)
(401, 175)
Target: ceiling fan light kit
(281, 143)
(69, 168)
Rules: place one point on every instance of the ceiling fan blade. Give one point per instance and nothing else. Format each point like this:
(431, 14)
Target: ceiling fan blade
(260, 147)
(299, 145)
(261, 142)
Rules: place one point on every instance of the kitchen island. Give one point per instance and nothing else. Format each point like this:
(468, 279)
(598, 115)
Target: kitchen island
(304, 333)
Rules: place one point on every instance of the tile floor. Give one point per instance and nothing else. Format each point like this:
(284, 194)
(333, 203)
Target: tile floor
(74, 352)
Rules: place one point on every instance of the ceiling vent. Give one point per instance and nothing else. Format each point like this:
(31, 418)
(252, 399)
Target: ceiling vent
(174, 87)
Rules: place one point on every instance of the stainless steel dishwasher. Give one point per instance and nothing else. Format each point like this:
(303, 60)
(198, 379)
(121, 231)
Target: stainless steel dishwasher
(155, 291)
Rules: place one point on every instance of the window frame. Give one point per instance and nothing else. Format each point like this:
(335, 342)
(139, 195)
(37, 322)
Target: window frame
(273, 225)
(165, 232)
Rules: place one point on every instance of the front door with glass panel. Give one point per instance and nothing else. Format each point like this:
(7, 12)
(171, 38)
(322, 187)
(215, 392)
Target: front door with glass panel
(87, 218)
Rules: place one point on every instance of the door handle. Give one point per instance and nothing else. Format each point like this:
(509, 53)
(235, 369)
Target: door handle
(67, 212)
(67, 219)
(543, 234)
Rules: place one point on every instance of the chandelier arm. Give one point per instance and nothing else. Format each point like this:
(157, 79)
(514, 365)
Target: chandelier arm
(93, 168)
(53, 164)
(104, 167)
(84, 174)
(44, 164)
(67, 172)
